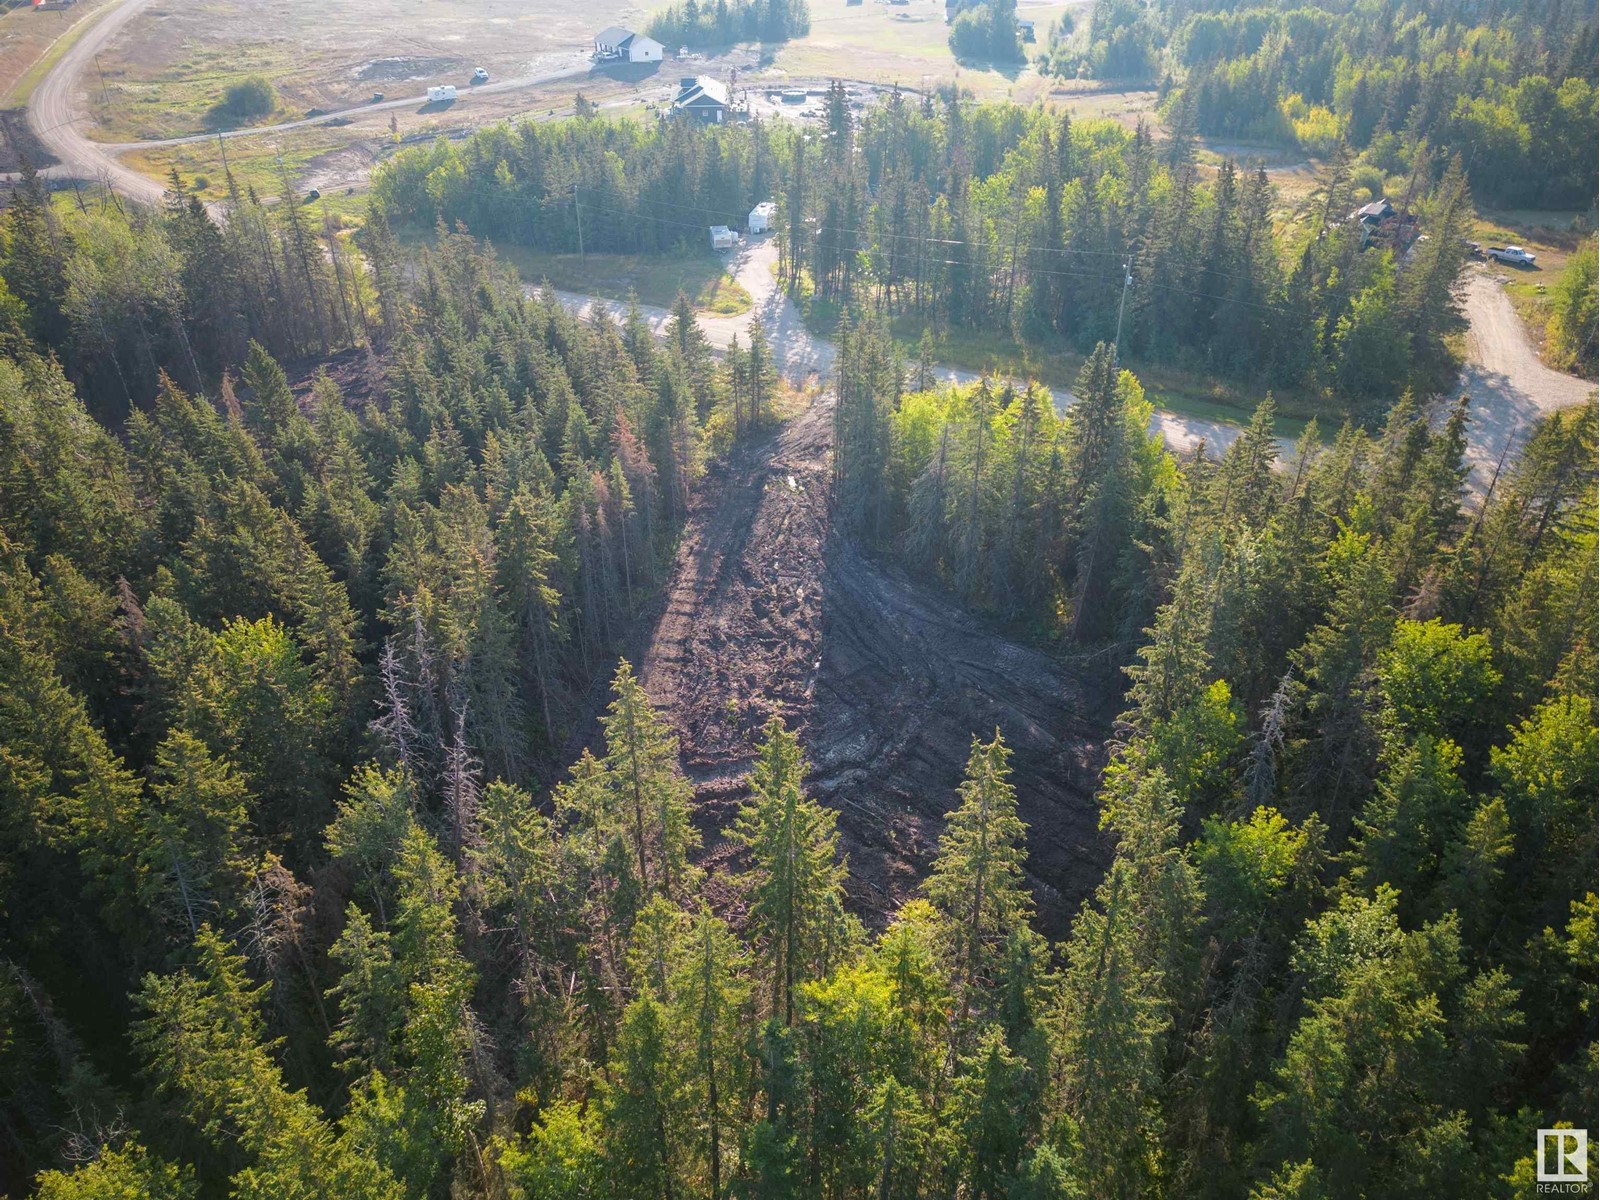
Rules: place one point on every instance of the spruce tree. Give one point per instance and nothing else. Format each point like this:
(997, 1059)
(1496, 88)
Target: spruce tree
(642, 770)
(794, 881)
(977, 879)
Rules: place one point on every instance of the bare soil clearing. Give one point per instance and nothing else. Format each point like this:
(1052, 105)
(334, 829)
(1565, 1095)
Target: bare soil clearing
(770, 610)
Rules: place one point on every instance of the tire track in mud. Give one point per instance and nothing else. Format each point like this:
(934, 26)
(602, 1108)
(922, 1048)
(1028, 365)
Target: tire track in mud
(769, 610)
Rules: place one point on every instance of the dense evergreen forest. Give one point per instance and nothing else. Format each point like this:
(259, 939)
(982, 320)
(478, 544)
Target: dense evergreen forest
(120, 294)
(1510, 87)
(1002, 218)
(343, 853)
(290, 911)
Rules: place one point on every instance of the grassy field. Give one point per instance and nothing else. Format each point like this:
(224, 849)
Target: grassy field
(908, 44)
(173, 62)
(254, 162)
(653, 279)
(32, 41)
(138, 103)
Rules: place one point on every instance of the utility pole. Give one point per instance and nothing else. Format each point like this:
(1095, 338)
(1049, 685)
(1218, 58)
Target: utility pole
(578, 210)
(1127, 279)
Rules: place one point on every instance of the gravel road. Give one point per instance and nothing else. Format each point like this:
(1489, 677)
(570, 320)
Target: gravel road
(56, 109)
(803, 356)
(1508, 388)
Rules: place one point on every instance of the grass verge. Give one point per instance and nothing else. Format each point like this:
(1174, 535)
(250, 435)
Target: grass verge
(30, 78)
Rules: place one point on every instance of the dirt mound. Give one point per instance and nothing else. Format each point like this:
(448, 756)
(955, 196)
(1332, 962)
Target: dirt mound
(771, 610)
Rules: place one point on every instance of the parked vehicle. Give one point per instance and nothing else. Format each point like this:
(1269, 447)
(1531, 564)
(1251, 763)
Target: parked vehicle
(480, 75)
(377, 97)
(1514, 256)
(446, 91)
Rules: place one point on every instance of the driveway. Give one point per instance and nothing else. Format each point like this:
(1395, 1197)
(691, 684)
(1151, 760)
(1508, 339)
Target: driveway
(1507, 387)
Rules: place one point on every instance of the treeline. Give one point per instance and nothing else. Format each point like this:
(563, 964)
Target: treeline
(1031, 514)
(1119, 41)
(205, 621)
(476, 532)
(636, 188)
(1346, 936)
(1021, 222)
(1510, 88)
(1574, 324)
(696, 24)
(121, 294)
(996, 217)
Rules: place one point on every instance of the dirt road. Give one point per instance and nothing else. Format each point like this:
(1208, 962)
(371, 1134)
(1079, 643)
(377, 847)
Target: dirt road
(770, 610)
(1507, 386)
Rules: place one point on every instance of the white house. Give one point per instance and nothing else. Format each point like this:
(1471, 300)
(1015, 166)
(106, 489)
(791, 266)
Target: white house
(723, 238)
(761, 217)
(616, 44)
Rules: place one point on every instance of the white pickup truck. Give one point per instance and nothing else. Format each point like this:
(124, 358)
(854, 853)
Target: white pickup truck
(1515, 256)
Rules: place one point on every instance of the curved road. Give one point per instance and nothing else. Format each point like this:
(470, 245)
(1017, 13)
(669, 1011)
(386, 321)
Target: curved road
(1508, 388)
(56, 109)
(802, 355)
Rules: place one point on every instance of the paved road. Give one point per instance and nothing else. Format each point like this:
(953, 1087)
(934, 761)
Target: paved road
(1508, 388)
